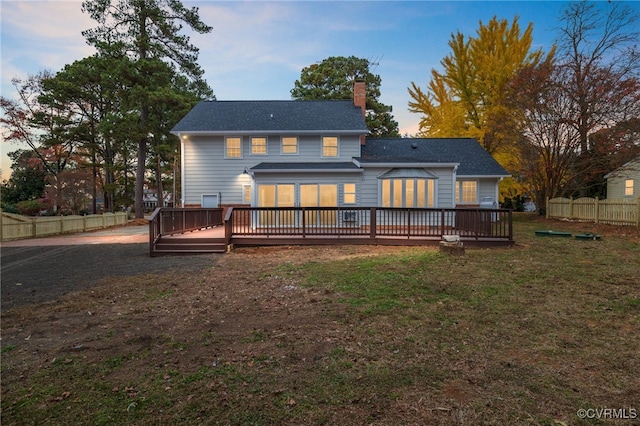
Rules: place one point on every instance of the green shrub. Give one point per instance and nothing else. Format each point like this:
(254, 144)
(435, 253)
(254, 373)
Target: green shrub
(30, 207)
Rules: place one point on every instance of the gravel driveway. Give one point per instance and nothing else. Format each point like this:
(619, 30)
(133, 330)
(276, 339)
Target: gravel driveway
(43, 269)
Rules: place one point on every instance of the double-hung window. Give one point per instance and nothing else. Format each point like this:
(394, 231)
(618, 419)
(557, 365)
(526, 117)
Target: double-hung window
(289, 145)
(466, 192)
(628, 187)
(329, 146)
(259, 146)
(233, 148)
(349, 193)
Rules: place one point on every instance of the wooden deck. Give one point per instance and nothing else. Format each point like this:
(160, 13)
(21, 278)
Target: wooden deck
(245, 227)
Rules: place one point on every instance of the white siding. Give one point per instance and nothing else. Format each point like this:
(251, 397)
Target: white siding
(488, 187)
(207, 171)
(370, 188)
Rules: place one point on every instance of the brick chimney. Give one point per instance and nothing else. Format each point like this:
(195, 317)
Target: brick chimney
(360, 96)
(360, 100)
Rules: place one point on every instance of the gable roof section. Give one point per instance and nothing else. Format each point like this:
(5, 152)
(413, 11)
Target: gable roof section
(472, 158)
(270, 117)
(623, 171)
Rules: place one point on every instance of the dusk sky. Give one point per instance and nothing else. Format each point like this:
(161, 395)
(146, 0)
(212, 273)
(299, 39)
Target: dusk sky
(257, 49)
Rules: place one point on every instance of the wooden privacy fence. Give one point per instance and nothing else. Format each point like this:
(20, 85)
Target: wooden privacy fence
(16, 227)
(610, 211)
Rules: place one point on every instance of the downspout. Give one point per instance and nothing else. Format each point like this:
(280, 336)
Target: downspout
(454, 186)
(182, 170)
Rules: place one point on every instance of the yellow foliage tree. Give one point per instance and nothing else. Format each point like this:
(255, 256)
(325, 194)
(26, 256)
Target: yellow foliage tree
(467, 99)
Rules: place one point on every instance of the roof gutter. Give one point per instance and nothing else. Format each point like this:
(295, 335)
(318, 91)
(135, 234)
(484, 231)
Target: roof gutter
(485, 176)
(274, 171)
(268, 132)
(413, 164)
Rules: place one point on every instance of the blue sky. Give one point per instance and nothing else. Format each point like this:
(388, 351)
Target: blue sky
(257, 49)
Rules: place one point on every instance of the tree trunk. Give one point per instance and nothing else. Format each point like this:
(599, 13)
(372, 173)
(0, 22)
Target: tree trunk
(160, 189)
(94, 183)
(140, 168)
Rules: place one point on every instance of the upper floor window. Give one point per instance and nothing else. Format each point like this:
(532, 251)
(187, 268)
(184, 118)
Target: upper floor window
(259, 146)
(233, 148)
(467, 192)
(628, 187)
(290, 145)
(329, 146)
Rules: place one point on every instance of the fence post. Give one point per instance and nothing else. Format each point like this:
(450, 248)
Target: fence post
(596, 209)
(638, 212)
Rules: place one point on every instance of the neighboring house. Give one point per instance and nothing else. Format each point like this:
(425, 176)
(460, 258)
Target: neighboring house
(624, 182)
(150, 199)
(316, 154)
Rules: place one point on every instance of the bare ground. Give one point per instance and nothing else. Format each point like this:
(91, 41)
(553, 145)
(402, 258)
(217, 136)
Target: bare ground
(213, 311)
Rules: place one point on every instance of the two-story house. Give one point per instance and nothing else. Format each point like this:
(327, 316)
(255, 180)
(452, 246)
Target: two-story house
(316, 154)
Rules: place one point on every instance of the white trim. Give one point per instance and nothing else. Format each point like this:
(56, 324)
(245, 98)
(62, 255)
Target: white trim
(182, 174)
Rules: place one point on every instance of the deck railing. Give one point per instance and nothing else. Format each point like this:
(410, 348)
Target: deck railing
(169, 221)
(372, 222)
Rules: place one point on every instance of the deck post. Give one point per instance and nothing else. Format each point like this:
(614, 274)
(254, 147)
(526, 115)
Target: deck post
(372, 222)
(228, 226)
(510, 225)
(304, 223)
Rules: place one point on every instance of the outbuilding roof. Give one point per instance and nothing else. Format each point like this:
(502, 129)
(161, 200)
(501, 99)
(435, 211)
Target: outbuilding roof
(268, 117)
(472, 158)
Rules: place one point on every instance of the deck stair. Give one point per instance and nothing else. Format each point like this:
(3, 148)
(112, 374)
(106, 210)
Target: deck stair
(189, 245)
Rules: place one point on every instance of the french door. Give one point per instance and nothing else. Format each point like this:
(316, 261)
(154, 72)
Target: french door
(284, 195)
(281, 195)
(323, 195)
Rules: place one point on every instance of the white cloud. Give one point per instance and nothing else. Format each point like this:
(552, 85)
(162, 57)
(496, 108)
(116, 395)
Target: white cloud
(40, 35)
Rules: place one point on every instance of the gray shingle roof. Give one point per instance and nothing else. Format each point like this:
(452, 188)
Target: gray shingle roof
(473, 158)
(273, 116)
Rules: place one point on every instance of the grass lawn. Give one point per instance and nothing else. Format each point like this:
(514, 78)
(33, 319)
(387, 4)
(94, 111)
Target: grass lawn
(543, 333)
